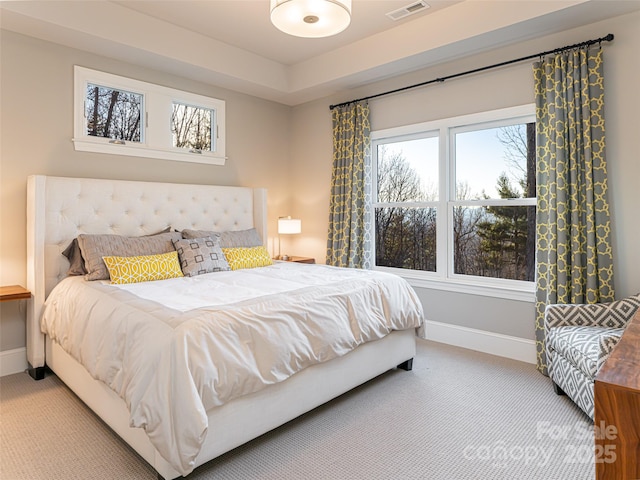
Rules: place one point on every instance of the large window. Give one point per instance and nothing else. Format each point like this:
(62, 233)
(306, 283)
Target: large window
(454, 200)
(122, 116)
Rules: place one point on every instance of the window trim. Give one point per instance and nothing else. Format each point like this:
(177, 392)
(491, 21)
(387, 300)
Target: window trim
(155, 135)
(443, 278)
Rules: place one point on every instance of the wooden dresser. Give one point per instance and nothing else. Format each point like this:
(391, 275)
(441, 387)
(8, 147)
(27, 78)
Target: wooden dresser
(617, 409)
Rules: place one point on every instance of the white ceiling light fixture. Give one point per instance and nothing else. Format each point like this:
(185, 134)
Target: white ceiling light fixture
(311, 18)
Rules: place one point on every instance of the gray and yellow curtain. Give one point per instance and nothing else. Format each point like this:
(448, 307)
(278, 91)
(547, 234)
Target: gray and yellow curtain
(575, 262)
(349, 217)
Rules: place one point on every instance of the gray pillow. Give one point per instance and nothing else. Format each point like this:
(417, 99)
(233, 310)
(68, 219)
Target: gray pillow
(189, 234)
(94, 247)
(76, 262)
(200, 255)
(230, 238)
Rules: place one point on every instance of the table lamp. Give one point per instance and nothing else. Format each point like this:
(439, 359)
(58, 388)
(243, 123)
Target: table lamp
(287, 226)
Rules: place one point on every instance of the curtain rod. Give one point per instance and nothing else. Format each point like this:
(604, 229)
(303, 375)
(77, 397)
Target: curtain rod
(588, 43)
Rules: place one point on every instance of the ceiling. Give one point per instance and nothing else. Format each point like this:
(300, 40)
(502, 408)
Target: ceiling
(245, 24)
(232, 43)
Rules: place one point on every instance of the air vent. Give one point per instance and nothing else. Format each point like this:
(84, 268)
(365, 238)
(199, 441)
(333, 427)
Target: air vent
(410, 9)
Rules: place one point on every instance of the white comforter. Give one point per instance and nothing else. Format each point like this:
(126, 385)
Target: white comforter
(173, 349)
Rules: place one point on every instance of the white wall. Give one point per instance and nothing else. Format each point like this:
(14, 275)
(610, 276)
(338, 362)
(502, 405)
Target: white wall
(36, 115)
(508, 86)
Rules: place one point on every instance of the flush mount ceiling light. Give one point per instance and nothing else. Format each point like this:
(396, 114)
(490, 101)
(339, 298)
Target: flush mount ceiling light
(311, 18)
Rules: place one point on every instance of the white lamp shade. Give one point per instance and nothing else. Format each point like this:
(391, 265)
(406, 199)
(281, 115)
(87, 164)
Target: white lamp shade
(289, 226)
(311, 18)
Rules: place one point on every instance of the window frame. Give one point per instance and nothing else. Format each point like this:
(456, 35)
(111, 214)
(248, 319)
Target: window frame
(156, 135)
(445, 278)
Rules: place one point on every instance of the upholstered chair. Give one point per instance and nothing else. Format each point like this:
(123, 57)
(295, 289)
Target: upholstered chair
(579, 339)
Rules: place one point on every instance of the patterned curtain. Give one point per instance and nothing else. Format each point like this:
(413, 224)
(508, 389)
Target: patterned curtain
(574, 258)
(349, 217)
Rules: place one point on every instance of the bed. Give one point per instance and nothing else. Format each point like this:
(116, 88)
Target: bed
(59, 209)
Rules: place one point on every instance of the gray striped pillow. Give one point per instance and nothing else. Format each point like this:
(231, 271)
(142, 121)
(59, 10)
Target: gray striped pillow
(94, 247)
(230, 238)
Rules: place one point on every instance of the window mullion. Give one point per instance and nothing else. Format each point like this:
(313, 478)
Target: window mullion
(443, 221)
(374, 199)
(506, 202)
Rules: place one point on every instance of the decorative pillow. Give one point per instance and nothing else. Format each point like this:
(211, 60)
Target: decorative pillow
(229, 239)
(188, 234)
(250, 257)
(200, 255)
(143, 268)
(76, 262)
(94, 247)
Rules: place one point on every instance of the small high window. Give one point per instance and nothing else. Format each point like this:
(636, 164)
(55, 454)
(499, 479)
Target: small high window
(191, 127)
(121, 116)
(113, 113)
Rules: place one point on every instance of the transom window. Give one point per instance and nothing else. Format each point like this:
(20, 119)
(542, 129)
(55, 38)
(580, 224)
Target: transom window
(454, 200)
(191, 127)
(122, 116)
(113, 113)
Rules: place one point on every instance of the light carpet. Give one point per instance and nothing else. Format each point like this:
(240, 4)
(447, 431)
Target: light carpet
(458, 414)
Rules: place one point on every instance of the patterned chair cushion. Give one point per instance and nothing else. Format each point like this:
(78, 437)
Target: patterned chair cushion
(577, 385)
(612, 315)
(582, 347)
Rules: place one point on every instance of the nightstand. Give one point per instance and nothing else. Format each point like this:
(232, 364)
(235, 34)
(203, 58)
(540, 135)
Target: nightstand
(14, 292)
(293, 258)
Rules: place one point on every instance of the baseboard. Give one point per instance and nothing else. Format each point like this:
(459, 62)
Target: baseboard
(482, 341)
(13, 361)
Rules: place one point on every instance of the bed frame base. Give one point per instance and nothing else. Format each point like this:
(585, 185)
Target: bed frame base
(247, 417)
(407, 366)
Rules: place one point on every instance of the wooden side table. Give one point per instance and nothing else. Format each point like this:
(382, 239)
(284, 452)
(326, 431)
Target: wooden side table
(14, 292)
(293, 258)
(617, 403)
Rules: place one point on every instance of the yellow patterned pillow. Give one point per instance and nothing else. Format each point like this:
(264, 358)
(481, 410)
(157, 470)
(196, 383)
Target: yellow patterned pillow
(143, 268)
(247, 257)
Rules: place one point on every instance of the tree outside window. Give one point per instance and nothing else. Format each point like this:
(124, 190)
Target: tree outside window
(191, 127)
(113, 113)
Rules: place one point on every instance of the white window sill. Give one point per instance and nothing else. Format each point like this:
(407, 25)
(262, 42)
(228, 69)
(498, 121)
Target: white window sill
(519, 291)
(141, 150)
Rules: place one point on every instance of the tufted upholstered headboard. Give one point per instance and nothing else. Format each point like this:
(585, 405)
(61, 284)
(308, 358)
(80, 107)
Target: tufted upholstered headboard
(58, 209)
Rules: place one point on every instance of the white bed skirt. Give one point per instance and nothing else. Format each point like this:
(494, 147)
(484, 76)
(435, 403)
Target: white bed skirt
(248, 417)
